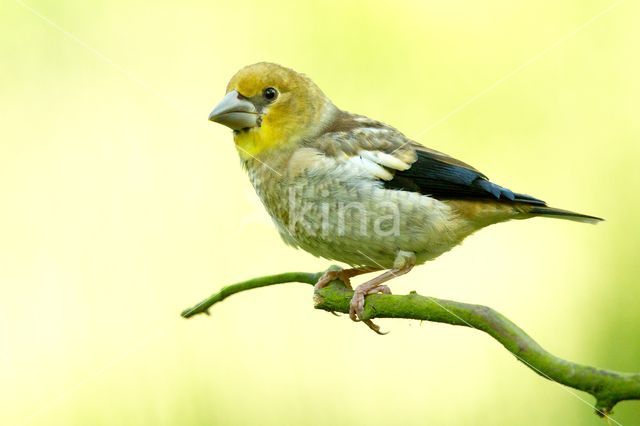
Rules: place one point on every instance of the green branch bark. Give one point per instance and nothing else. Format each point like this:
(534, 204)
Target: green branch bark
(607, 387)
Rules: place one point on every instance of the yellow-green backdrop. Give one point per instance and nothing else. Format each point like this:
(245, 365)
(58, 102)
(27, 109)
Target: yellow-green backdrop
(120, 205)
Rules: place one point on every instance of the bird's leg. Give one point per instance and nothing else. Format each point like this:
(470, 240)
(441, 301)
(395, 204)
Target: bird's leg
(404, 262)
(343, 275)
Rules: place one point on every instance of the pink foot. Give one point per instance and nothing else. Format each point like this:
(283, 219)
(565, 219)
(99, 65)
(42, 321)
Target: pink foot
(356, 307)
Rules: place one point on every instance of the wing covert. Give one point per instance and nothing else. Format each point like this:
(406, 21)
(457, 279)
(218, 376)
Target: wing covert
(410, 166)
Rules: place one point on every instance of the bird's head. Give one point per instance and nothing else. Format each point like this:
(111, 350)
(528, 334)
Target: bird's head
(268, 105)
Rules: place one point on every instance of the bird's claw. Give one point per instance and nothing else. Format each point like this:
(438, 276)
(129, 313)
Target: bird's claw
(325, 279)
(331, 275)
(356, 307)
(375, 327)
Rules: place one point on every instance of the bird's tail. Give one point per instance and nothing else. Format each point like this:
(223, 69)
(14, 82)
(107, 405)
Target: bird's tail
(563, 214)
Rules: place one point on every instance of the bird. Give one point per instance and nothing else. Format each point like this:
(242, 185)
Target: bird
(352, 189)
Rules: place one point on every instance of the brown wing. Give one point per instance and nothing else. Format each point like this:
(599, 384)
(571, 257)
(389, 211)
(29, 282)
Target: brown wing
(425, 170)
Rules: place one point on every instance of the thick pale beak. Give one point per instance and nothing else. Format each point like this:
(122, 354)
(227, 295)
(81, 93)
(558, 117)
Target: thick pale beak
(235, 112)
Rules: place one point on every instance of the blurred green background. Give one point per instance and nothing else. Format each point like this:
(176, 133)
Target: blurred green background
(120, 205)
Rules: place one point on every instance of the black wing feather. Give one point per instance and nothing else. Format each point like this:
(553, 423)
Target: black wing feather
(433, 176)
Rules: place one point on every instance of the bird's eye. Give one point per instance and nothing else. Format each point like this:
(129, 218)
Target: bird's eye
(270, 94)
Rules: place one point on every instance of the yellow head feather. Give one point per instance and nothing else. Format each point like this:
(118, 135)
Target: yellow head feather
(298, 111)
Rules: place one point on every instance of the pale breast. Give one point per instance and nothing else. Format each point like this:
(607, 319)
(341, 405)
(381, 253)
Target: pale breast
(339, 210)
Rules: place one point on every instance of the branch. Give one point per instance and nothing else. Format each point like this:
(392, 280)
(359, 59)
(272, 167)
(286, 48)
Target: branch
(608, 387)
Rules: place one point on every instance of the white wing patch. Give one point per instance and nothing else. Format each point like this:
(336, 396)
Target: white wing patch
(367, 163)
(384, 159)
(370, 167)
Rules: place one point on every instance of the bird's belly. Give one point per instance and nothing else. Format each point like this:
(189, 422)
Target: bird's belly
(366, 225)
